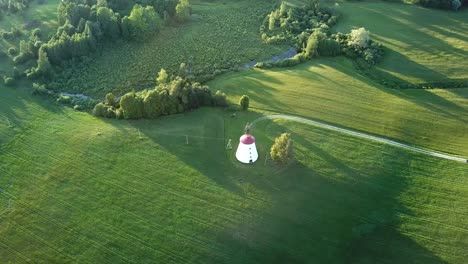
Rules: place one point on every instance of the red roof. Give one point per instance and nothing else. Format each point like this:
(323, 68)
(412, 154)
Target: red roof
(247, 139)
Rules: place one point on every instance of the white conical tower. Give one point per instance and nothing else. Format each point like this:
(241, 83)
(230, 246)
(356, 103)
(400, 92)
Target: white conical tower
(247, 151)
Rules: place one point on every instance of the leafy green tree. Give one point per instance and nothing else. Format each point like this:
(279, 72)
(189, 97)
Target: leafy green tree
(219, 99)
(111, 100)
(163, 77)
(109, 24)
(132, 106)
(282, 150)
(359, 37)
(143, 21)
(244, 102)
(8, 81)
(43, 68)
(313, 43)
(183, 10)
(152, 104)
(272, 20)
(329, 47)
(100, 110)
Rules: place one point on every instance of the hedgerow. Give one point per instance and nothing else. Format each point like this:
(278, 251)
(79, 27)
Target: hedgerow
(169, 97)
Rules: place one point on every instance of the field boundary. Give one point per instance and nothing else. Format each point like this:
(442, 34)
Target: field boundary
(358, 134)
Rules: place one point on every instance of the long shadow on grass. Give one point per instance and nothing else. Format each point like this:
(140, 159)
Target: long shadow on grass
(207, 138)
(421, 97)
(337, 204)
(332, 208)
(259, 88)
(14, 105)
(419, 39)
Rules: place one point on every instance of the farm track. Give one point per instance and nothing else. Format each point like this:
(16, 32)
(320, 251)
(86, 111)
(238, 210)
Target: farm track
(359, 134)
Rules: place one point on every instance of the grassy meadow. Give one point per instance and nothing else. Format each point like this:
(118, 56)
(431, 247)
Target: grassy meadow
(329, 90)
(422, 44)
(79, 189)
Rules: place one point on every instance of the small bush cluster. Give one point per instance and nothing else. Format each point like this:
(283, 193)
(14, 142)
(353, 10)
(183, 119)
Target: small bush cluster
(41, 90)
(8, 81)
(358, 44)
(171, 96)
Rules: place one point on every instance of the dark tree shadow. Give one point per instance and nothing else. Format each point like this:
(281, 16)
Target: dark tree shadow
(345, 212)
(315, 219)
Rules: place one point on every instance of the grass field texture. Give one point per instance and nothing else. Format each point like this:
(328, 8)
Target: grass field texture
(330, 90)
(77, 188)
(422, 44)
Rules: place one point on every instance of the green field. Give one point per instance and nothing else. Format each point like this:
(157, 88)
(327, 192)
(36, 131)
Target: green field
(330, 90)
(422, 45)
(79, 189)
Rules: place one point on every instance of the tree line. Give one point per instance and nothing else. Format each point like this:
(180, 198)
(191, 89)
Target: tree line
(172, 94)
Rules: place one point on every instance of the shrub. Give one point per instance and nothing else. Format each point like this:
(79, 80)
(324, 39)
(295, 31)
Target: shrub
(100, 110)
(12, 51)
(183, 10)
(63, 99)
(282, 150)
(152, 104)
(111, 100)
(132, 106)
(36, 33)
(78, 108)
(142, 22)
(244, 102)
(9, 81)
(219, 99)
(119, 114)
(40, 90)
(359, 37)
(329, 47)
(163, 77)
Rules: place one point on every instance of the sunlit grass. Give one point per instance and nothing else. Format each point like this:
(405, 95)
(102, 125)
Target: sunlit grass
(330, 90)
(424, 45)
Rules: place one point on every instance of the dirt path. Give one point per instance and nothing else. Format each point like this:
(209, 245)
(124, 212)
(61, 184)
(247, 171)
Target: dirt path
(358, 134)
